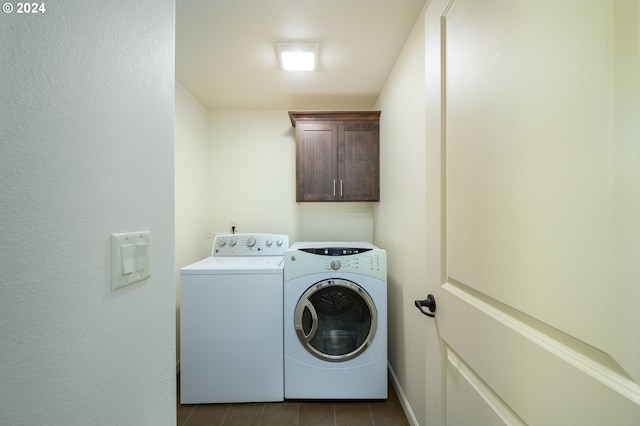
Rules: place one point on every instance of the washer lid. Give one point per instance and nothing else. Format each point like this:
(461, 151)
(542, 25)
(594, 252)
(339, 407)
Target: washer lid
(235, 265)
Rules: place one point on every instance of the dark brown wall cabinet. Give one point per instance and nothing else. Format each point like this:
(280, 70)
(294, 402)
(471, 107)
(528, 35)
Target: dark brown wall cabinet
(337, 155)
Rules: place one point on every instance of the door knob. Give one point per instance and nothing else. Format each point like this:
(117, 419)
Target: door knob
(429, 303)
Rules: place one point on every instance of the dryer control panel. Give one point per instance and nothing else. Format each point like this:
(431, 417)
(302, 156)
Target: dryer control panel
(250, 245)
(357, 259)
(335, 251)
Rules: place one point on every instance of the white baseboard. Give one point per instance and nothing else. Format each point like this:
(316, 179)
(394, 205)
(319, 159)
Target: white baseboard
(404, 402)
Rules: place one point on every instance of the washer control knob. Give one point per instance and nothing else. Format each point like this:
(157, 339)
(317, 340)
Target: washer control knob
(232, 242)
(279, 242)
(269, 243)
(251, 242)
(335, 265)
(222, 242)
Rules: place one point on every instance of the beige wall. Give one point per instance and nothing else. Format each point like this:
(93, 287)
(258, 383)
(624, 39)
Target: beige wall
(399, 223)
(240, 165)
(192, 185)
(252, 181)
(192, 181)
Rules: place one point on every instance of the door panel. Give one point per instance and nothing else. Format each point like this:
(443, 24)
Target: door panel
(359, 167)
(540, 202)
(541, 375)
(533, 164)
(317, 157)
(470, 401)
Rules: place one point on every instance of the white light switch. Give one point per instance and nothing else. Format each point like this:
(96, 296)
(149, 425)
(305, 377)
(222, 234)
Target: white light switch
(141, 257)
(128, 252)
(129, 258)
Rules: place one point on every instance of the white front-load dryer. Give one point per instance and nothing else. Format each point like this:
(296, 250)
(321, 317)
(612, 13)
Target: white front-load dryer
(335, 321)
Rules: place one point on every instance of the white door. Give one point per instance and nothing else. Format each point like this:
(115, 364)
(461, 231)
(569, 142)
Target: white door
(534, 221)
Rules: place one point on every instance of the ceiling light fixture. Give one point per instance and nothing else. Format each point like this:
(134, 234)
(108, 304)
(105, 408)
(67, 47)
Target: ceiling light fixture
(298, 56)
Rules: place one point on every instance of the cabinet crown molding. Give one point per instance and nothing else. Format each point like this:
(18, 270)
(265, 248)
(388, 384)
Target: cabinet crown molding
(351, 116)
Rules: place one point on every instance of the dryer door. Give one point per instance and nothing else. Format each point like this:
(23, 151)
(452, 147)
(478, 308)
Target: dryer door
(335, 320)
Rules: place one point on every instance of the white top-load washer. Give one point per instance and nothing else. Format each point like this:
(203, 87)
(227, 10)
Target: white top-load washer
(231, 307)
(335, 321)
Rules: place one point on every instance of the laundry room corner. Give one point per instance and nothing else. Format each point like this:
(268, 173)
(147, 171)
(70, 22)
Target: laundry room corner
(239, 166)
(253, 182)
(191, 140)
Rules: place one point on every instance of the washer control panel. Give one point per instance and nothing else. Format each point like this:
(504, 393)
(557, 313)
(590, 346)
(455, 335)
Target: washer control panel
(250, 245)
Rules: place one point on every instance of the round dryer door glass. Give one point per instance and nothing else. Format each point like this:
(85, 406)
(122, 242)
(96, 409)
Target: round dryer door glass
(335, 320)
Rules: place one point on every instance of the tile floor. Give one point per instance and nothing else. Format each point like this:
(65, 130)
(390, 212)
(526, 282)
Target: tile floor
(296, 413)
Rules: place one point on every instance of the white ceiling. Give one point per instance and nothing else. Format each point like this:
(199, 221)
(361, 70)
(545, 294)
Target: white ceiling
(226, 51)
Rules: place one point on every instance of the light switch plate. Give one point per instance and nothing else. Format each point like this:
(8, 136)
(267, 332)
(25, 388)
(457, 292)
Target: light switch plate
(129, 258)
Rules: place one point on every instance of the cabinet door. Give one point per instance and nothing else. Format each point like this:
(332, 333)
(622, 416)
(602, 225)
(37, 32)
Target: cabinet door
(316, 161)
(358, 162)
